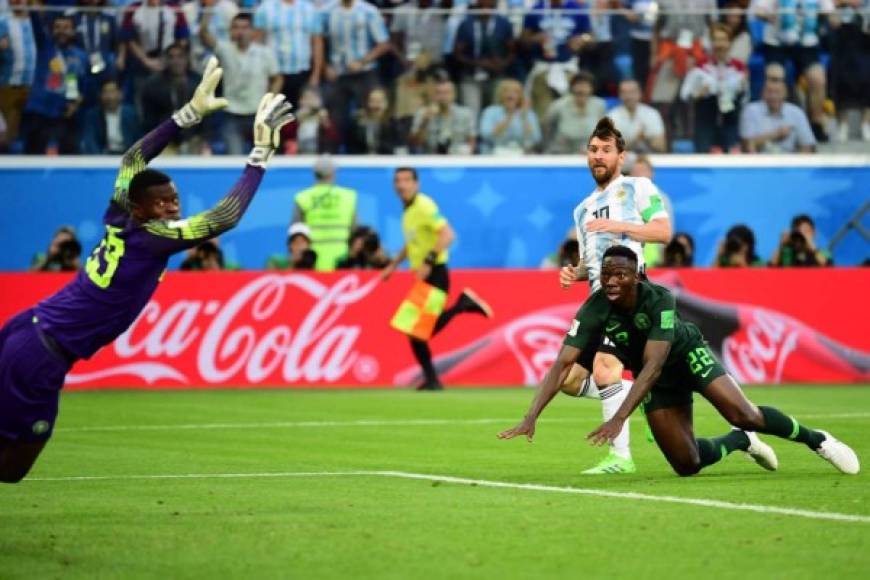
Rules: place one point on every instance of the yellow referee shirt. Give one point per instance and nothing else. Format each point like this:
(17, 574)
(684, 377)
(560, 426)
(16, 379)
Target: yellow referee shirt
(421, 223)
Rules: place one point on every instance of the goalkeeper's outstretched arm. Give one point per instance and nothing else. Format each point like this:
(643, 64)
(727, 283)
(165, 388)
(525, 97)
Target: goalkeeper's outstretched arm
(151, 145)
(173, 236)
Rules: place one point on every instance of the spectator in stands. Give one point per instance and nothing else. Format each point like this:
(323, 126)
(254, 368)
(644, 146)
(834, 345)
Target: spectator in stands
(149, 28)
(791, 34)
(299, 254)
(641, 125)
(716, 87)
(680, 251)
(772, 125)
(553, 39)
(509, 127)
(571, 119)
(738, 249)
(741, 41)
(642, 17)
(329, 210)
(250, 70)
(797, 247)
(351, 69)
(97, 33)
(293, 29)
(110, 127)
(314, 130)
(850, 66)
(680, 33)
(443, 127)
(17, 64)
(56, 94)
(418, 35)
(167, 91)
(364, 251)
(63, 254)
(373, 129)
(484, 49)
(597, 56)
(219, 15)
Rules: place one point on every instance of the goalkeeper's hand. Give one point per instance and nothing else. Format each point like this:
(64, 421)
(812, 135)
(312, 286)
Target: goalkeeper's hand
(203, 102)
(272, 114)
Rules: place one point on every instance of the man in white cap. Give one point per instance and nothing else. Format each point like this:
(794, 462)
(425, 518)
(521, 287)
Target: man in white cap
(299, 254)
(329, 211)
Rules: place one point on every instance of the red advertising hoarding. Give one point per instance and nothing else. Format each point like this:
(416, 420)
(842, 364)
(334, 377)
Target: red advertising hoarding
(276, 329)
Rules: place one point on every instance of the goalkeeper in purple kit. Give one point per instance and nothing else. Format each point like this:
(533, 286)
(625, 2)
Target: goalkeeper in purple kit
(143, 229)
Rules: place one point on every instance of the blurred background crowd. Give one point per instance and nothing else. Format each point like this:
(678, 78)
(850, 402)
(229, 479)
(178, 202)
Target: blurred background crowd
(440, 77)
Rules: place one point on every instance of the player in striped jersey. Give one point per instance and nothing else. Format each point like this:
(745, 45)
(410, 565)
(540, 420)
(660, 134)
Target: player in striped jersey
(621, 211)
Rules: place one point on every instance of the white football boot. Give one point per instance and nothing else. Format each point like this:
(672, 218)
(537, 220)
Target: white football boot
(761, 453)
(839, 454)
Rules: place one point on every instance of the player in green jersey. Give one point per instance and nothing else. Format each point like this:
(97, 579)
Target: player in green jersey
(671, 360)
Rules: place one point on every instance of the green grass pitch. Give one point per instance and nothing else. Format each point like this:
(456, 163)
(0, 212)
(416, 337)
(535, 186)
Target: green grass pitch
(263, 484)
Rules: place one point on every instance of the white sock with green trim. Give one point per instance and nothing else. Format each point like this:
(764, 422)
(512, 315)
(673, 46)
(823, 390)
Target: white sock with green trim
(612, 397)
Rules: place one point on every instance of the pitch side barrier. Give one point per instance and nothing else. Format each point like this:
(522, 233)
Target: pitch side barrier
(508, 212)
(286, 330)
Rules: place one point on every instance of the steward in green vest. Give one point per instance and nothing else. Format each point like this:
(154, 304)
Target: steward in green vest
(330, 212)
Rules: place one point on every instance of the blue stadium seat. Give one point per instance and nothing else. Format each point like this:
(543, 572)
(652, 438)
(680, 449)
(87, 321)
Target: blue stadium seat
(756, 75)
(611, 102)
(624, 65)
(682, 146)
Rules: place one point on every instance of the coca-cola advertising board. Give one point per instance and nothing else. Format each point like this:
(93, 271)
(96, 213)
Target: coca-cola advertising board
(283, 329)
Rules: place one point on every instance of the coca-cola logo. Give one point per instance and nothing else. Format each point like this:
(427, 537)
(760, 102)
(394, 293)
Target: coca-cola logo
(759, 351)
(535, 341)
(245, 337)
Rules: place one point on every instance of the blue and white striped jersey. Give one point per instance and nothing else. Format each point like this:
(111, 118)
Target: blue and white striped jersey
(289, 28)
(627, 199)
(352, 32)
(18, 61)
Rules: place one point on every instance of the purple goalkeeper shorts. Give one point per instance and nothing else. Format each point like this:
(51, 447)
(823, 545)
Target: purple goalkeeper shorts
(32, 373)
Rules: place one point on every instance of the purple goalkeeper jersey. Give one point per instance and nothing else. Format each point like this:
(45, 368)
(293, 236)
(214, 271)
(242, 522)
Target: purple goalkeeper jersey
(124, 269)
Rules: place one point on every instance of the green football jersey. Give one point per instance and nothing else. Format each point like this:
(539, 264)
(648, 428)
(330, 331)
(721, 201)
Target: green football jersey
(653, 318)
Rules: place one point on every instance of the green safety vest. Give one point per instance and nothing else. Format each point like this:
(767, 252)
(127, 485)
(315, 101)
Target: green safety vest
(328, 210)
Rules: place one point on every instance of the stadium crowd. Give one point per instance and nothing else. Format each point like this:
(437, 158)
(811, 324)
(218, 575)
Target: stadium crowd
(493, 77)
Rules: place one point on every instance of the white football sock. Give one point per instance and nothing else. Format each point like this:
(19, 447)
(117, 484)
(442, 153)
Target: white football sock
(612, 397)
(589, 389)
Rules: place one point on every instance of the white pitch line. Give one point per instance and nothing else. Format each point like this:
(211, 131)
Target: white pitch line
(372, 423)
(710, 503)
(292, 424)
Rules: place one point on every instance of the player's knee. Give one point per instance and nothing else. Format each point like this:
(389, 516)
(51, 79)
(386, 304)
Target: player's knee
(606, 371)
(687, 468)
(748, 418)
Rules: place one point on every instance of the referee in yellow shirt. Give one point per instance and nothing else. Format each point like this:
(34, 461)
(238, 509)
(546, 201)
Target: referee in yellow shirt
(427, 237)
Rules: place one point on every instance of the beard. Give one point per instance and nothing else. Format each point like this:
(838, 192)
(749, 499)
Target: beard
(602, 178)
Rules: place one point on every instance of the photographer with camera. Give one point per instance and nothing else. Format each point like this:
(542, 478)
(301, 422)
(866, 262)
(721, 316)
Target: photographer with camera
(205, 257)
(798, 246)
(737, 250)
(63, 254)
(364, 251)
(299, 254)
(680, 251)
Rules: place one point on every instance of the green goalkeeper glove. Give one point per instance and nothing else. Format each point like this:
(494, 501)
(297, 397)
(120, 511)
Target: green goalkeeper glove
(203, 102)
(272, 114)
